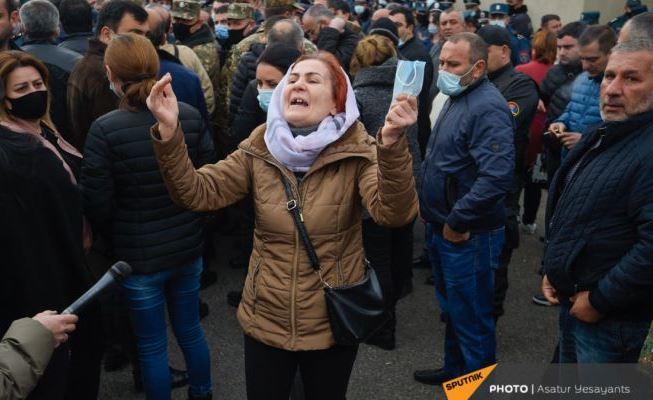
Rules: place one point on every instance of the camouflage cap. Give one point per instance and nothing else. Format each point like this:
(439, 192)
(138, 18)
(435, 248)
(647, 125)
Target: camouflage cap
(240, 11)
(186, 9)
(282, 3)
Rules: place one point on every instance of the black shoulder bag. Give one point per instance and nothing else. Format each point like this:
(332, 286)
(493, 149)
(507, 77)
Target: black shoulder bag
(355, 311)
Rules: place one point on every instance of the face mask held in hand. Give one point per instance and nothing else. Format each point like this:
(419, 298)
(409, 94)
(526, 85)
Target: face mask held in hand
(264, 97)
(409, 78)
(30, 106)
(449, 83)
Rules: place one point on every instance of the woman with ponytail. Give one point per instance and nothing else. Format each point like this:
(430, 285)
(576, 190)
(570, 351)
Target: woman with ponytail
(127, 201)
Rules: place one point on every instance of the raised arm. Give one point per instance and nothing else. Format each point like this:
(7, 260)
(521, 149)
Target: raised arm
(211, 187)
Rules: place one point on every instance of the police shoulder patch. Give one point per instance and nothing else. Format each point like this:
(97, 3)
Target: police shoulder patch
(514, 108)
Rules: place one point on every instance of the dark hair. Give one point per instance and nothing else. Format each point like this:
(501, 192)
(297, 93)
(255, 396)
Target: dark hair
(410, 20)
(76, 16)
(477, 46)
(11, 6)
(340, 5)
(602, 34)
(113, 11)
(573, 29)
(548, 18)
(641, 26)
(280, 55)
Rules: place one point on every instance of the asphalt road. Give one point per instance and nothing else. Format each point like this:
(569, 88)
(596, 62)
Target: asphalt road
(526, 334)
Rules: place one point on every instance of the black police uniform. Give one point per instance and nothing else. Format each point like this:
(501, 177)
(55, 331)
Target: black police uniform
(522, 95)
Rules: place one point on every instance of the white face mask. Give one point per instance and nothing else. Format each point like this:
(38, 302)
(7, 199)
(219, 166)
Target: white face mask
(498, 22)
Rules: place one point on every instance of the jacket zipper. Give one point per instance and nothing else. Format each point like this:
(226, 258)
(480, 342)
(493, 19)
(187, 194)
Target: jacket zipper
(573, 178)
(295, 267)
(255, 283)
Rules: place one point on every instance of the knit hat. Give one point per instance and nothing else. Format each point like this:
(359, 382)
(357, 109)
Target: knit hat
(280, 55)
(385, 27)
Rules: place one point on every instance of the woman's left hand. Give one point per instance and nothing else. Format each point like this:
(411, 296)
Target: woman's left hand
(402, 115)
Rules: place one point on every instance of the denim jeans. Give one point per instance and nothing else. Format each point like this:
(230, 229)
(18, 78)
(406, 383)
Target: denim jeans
(464, 287)
(147, 296)
(607, 341)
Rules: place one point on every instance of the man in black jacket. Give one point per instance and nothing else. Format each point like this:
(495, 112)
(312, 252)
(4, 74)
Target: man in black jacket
(40, 19)
(597, 260)
(412, 49)
(521, 93)
(331, 33)
(77, 22)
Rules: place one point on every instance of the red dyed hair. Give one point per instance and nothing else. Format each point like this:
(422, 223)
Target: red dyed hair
(338, 77)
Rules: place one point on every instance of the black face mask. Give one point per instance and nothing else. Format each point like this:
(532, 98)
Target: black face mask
(235, 36)
(181, 31)
(30, 106)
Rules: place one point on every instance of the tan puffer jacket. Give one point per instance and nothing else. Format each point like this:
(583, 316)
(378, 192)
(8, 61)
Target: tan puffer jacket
(283, 300)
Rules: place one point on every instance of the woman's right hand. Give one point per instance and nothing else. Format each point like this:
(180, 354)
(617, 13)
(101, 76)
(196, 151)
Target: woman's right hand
(162, 102)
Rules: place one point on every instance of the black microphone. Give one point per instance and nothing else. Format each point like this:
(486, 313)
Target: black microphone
(117, 273)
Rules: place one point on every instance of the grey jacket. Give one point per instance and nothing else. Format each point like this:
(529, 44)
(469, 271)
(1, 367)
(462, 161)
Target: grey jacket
(25, 351)
(373, 88)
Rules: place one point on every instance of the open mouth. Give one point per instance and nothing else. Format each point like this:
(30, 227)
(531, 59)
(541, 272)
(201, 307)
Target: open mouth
(298, 101)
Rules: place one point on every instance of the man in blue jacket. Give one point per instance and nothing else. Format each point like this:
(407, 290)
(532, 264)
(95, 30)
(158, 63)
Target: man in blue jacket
(582, 111)
(600, 221)
(467, 171)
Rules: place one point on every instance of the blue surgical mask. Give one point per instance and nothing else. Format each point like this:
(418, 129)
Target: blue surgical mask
(433, 29)
(264, 97)
(359, 9)
(449, 83)
(221, 32)
(114, 90)
(401, 42)
(409, 78)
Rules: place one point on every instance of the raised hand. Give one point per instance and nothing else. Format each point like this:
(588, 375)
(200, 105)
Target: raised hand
(402, 115)
(162, 102)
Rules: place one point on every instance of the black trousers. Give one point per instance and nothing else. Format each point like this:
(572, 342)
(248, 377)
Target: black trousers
(270, 372)
(390, 251)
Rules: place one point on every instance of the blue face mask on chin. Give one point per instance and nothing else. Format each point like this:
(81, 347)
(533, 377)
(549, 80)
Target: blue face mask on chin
(449, 83)
(264, 97)
(221, 32)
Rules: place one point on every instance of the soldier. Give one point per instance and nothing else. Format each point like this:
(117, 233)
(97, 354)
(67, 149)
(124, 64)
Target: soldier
(285, 8)
(521, 94)
(240, 22)
(190, 31)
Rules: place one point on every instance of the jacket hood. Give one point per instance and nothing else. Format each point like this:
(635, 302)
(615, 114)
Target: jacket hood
(380, 75)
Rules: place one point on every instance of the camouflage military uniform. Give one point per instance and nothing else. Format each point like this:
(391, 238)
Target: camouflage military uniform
(203, 43)
(229, 69)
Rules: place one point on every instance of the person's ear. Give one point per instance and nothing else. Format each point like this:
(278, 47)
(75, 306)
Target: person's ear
(105, 34)
(479, 69)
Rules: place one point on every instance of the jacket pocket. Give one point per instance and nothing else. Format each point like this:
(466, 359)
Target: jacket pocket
(255, 274)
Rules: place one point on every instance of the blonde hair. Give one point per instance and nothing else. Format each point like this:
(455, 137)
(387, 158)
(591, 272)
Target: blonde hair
(9, 62)
(371, 51)
(133, 59)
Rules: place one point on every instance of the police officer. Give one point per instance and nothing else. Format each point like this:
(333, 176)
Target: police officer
(520, 42)
(521, 94)
(632, 8)
(473, 5)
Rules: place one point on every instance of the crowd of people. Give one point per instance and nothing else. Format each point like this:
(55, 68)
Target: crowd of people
(140, 132)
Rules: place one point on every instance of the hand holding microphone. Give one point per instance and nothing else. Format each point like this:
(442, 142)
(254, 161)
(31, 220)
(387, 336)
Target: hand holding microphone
(117, 273)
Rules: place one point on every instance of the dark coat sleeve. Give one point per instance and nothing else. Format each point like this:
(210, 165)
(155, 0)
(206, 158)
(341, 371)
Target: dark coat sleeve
(524, 93)
(97, 179)
(249, 116)
(342, 45)
(630, 282)
(245, 72)
(424, 107)
(491, 146)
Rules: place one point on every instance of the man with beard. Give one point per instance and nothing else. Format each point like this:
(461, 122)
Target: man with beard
(240, 21)
(8, 22)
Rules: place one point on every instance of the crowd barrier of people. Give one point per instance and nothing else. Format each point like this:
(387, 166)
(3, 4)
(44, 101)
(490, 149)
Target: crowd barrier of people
(319, 134)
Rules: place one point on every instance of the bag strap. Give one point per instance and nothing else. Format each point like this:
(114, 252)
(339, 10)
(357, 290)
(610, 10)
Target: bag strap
(293, 208)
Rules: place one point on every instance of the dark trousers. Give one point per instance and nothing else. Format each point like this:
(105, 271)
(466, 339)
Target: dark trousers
(270, 372)
(390, 251)
(532, 199)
